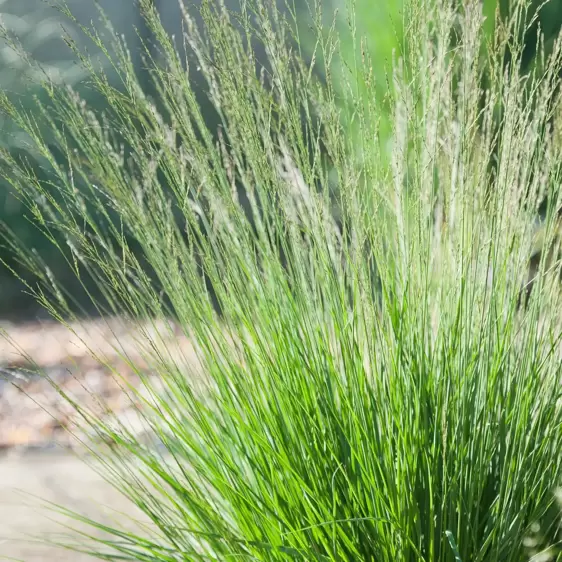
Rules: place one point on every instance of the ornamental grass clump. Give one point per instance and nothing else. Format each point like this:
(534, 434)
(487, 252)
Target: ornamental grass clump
(378, 372)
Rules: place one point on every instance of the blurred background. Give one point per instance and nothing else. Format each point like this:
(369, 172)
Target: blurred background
(39, 28)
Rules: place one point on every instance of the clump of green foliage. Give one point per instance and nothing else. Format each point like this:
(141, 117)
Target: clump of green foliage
(372, 384)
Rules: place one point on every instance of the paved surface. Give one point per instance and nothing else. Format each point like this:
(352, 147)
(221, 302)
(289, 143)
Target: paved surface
(61, 478)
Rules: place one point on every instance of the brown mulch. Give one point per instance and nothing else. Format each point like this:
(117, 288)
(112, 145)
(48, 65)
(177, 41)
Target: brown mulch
(91, 362)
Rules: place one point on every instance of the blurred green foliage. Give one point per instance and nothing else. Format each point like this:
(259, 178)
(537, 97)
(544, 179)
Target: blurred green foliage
(35, 47)
(36, 29)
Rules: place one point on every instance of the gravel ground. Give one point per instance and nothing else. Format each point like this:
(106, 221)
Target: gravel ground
(81, 360)
(35, 447)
